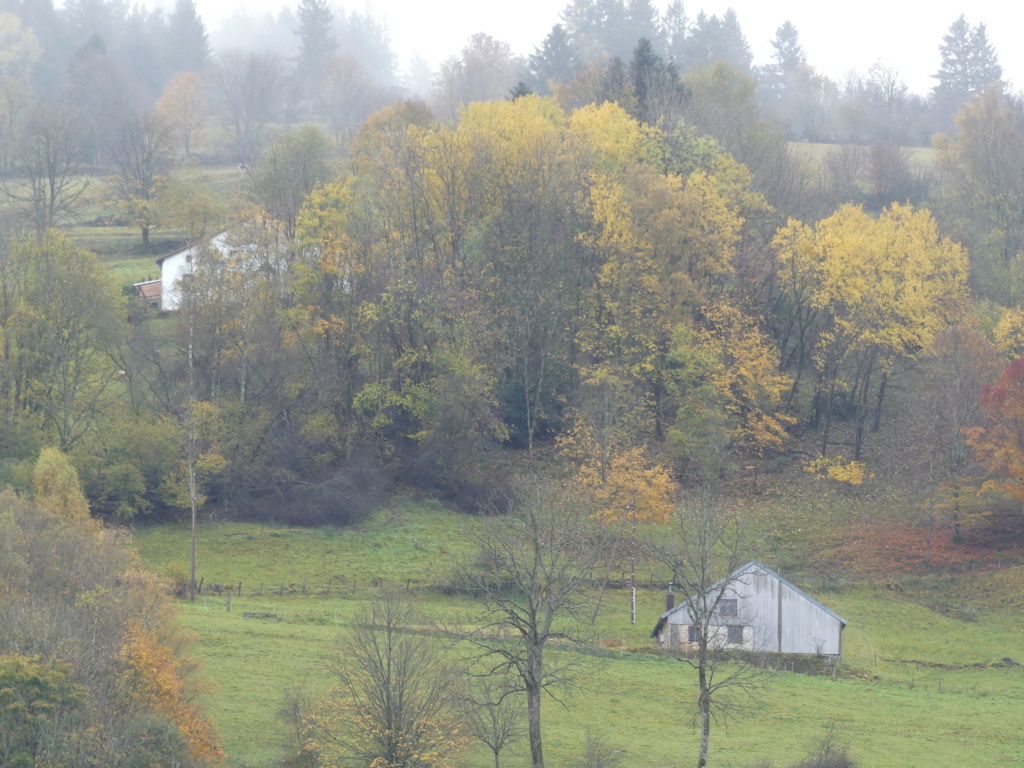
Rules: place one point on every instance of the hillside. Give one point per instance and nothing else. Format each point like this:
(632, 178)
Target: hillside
(928, 671)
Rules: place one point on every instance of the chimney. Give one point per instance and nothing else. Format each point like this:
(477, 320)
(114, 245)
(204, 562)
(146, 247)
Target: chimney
(670, 598)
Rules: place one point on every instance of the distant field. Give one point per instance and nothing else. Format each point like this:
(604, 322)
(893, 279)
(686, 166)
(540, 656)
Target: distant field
(922, 689)
(922, 157)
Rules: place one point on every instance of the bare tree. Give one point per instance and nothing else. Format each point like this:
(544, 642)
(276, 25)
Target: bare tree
(47, 165)
(395, 697)
(529, 583)
(492, 711)
(711, 545)
(140, 156)
(248, 90)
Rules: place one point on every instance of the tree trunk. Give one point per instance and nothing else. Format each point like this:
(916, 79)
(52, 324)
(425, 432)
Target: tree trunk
(705, 717)
(878, 404)
(533, 719)
(145, 236)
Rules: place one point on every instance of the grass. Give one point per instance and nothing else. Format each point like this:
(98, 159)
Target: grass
(921, 688)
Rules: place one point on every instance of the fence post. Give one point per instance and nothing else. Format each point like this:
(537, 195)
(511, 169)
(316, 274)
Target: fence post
(229, 602)
(239, 589)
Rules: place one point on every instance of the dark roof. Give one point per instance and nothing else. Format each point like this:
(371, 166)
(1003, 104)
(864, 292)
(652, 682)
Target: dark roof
(770, 572)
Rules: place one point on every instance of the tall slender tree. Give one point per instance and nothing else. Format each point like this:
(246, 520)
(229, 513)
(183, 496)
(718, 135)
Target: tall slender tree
(188, 46)
(969, 64)
(316, 43)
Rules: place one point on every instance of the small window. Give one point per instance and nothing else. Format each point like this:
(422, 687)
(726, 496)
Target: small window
(694, 634)
(735, 635)
(727, 607)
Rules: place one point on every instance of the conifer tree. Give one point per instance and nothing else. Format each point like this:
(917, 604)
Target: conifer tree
(188, 46)
(969, 64)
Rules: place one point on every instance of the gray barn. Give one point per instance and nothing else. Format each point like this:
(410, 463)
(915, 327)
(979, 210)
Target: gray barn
(758, 610)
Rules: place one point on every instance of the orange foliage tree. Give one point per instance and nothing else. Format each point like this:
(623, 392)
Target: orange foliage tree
(999, 443)
(153, 681)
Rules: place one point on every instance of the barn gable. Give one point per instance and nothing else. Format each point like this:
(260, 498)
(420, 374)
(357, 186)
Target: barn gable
(759, 610)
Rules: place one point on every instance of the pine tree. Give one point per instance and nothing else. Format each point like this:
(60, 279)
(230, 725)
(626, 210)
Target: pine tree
(787, 53)
(316, 41)
(969, 63)
(675, 26)
(188, 46)
(556, 59)
(713, 39)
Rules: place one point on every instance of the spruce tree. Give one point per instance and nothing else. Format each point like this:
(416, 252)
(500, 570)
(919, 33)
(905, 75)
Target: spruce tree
(556, 59)
(188, 46)
(969, 64)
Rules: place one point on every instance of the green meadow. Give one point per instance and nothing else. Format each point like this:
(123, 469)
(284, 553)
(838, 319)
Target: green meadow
(918, 687)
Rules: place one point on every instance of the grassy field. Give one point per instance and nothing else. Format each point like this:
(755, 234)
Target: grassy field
(919, 688)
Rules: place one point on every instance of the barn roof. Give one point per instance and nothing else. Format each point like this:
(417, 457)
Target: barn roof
(754, 565)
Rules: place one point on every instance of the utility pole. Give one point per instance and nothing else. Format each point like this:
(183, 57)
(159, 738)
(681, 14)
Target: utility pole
(632, 578)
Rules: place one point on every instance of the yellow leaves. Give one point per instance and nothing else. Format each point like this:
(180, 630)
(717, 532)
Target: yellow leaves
(1008, 333)
(748, 381)
(56, 486)
(617, 139)
(614, 473)
(839, 469)
(890, 282)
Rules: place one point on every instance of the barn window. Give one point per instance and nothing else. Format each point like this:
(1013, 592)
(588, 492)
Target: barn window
(727, 607)
(735, 635)
(694, 634)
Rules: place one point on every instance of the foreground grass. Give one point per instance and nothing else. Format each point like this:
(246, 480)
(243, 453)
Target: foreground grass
(921, 688)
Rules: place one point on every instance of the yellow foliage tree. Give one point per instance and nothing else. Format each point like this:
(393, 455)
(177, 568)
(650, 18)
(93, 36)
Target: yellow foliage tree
(182, 105)
(56, 486)
(870, 292)
(615, 473)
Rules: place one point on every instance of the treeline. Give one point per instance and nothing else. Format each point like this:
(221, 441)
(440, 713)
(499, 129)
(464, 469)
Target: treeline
(522, 274)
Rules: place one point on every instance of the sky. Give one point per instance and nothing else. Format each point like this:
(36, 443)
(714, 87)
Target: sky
(845, 37)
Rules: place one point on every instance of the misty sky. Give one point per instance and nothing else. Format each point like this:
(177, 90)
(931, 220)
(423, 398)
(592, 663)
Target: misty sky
(836, 39)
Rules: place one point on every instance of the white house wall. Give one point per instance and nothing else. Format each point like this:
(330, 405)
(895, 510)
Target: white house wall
(179, 265)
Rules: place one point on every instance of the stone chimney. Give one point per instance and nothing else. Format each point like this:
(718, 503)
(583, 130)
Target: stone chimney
(670, 598)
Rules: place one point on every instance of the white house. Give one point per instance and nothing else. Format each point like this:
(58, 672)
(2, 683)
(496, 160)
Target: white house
(178, 265)
(757, 610)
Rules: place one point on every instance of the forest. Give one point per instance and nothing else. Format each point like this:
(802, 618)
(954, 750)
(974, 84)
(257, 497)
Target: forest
(633, 263)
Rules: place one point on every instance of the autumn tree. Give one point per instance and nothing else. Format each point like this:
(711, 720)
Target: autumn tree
(493, 713)
(47, 158)
(289, 170)
(140, 158)
(485, 70)
(960, 365)
(528, 584)
(73, 652)
(183, 107)
(999, 442)
(247, 89)
(981, 175)
(872, 292)
(394, 698)
(61, 321)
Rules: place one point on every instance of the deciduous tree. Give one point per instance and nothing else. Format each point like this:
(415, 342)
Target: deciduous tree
(528, 583)
(710, 544)
(394, 699)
